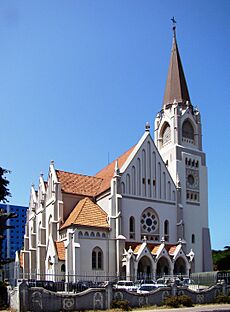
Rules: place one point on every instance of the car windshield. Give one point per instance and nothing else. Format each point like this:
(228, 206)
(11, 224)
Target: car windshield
(128, 283)
(125, 283)
(146, 287)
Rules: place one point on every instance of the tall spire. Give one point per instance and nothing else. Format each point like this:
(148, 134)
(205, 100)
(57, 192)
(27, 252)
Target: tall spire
(176, 86)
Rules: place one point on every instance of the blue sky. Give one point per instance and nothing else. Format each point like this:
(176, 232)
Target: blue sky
(79, 79)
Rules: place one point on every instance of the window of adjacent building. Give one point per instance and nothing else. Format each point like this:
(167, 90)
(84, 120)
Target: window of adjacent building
(97, 259)
(187, 130)
(63, 267)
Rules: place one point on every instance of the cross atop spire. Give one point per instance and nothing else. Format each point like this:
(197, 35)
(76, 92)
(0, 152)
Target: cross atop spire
(176, 87)
(174, 26)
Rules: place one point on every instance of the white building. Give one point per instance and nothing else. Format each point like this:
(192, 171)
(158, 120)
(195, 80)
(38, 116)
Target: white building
(145, 213)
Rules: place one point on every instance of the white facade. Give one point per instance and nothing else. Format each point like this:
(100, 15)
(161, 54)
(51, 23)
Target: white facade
(152, 206)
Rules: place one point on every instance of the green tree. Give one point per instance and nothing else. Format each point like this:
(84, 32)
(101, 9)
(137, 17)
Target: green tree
(4, 191)
(221, 259)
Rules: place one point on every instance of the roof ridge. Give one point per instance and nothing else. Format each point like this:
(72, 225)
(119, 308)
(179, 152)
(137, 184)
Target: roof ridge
(117, 158)
(79, 174)
(82, 203)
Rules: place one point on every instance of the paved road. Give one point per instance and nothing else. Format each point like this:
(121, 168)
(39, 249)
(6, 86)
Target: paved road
(203, 308)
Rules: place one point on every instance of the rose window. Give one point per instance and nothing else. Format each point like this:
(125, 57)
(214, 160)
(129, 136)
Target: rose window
(149, 221)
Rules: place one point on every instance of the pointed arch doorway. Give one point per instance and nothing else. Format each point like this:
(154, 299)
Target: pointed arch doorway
(145, 268)
(163, 267)
(180, 267)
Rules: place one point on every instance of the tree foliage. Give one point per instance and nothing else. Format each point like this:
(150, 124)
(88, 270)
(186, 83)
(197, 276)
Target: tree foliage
(221, 259)
(4, 190)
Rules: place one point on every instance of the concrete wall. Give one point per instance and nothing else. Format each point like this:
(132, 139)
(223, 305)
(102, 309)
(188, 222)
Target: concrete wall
(38, 299)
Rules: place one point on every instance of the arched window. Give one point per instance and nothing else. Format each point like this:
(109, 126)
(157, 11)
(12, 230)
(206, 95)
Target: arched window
(86, 234)
(187, 130)
(164, 185)
(49, 226)
(150, 225)
(80, 234)
(97, 259)
(98, 234)
(123, 187)
(169, 190)
(138, 176)
(159, 179)
(131, 228)
(94, 260)
(128, 184)
(166, 230)
(166, 134)
(133, 180)
(92, 234)
(143, 173)
(193, 238)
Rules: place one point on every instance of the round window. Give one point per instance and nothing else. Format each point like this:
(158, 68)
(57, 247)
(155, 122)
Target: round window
(149, 221)
(191, 179)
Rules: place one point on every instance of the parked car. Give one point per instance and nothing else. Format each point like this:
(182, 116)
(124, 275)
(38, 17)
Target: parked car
(49, 285)
(127, 285)
(187, 282)
(146, 288)
(169, 281)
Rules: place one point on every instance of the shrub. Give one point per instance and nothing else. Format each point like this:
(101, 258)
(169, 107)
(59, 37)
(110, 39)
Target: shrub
(172, 301)
(222, 299)
(185, 301)
(121, 304)
(176, 301)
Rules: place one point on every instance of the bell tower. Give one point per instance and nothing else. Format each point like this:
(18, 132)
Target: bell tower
(178, 137)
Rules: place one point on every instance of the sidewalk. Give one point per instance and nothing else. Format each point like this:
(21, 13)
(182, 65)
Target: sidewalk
(201, 308)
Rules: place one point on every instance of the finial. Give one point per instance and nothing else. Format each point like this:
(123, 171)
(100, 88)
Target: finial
(116, 169)
(52, 162)
(174, 26)
(41, 174)
(147, 126)
(144, 239)
(162, 240)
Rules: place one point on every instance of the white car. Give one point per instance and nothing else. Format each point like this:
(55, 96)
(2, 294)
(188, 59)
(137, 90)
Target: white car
(127, 285)
(146, 288)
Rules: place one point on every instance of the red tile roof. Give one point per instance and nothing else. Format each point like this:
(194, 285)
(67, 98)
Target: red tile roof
(86, 213)
(60, 250)
(91, 186)
(78, 184)
(107, 173)
(155, 249)
(172, 250)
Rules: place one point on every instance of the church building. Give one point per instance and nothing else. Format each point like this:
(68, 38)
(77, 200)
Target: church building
(143, 215)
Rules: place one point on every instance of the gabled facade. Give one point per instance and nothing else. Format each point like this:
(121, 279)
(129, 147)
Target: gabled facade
(145, 214)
